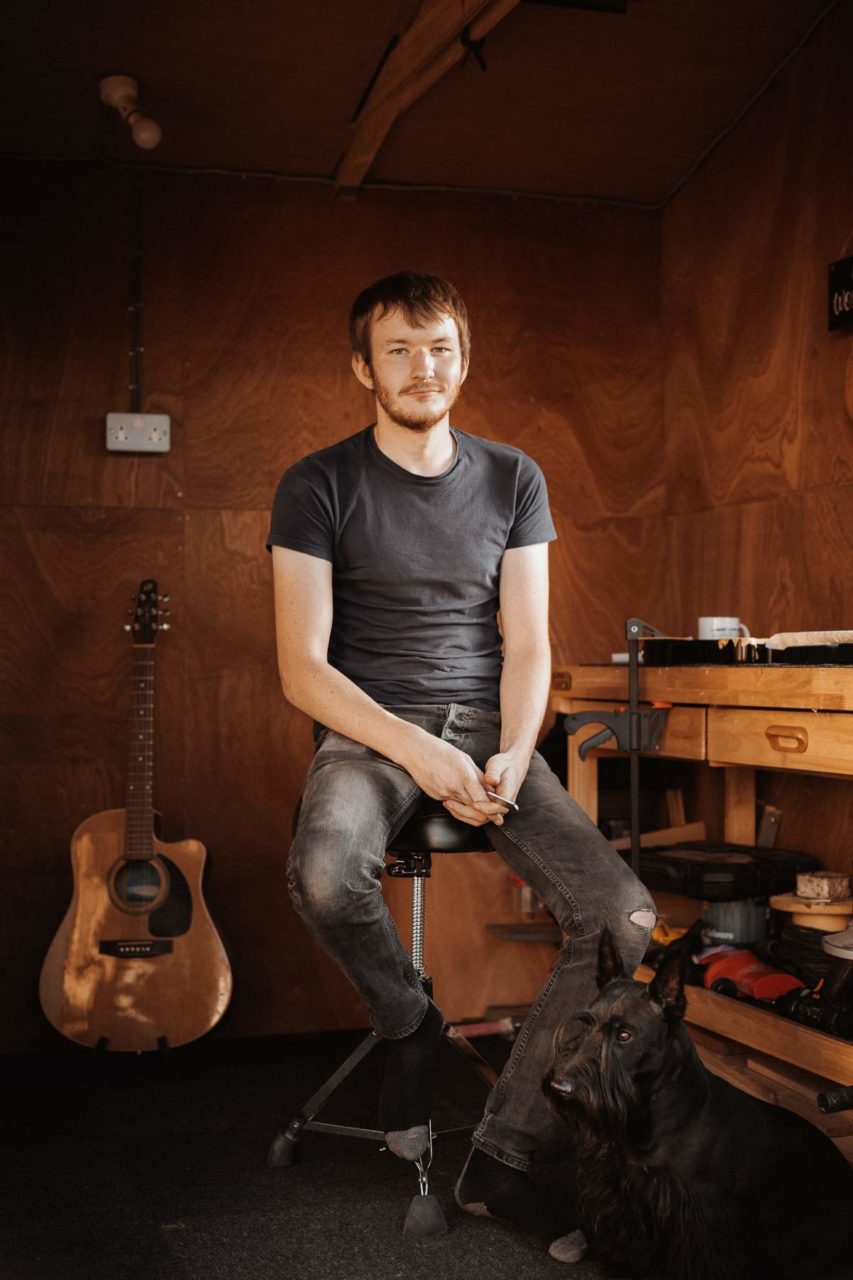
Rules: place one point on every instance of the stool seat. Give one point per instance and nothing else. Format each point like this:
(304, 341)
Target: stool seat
(431, 829)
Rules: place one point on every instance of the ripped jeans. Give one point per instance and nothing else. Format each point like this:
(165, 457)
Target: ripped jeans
(355, 800)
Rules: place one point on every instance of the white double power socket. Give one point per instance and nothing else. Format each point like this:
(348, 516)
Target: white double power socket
(138, 432)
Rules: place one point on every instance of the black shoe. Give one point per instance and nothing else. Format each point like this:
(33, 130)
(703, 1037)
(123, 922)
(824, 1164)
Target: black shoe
(405, 1103)
(488, 1188)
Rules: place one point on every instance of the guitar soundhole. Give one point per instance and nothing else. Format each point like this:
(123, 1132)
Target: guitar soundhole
(138, 886)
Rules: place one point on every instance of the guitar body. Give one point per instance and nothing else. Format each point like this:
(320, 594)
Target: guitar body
(137, 959)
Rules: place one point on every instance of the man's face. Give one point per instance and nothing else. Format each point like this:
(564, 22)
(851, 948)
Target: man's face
(415, 372)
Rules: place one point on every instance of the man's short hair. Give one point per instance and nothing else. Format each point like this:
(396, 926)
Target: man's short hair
(420, 298)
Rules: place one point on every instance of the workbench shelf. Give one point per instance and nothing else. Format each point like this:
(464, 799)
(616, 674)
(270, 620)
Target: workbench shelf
(761, 1029)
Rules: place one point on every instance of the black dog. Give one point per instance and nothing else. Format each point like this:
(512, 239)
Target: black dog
(679, 1174)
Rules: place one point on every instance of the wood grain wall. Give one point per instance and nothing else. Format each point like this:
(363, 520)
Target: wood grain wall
(246, 286)
(699, 464)
(759, 429)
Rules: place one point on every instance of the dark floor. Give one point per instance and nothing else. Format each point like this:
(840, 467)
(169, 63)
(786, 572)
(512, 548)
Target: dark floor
(121, 1166)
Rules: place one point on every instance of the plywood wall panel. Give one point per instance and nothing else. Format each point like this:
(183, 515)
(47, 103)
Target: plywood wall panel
(598, 435)
(781, 566)
(567, 353)
(759, 452)
(66, 341)
(754, 383)
(55, 334)
(165, 229)
(735, 424)
(268, 376)
(817, 815)
(602, 574)
(825, 97)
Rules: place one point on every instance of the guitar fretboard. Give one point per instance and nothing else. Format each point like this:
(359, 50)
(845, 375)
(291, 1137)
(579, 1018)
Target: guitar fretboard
(140, 766)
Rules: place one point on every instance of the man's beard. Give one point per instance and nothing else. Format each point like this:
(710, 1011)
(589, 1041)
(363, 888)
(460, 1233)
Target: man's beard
(406, 417)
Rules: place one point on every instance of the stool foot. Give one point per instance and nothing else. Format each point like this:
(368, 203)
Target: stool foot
(425, 1219)
(282, 1151)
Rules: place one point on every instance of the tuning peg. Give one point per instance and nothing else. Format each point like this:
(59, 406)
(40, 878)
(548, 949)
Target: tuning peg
(163, 598)
(164, 626)
(128, 627)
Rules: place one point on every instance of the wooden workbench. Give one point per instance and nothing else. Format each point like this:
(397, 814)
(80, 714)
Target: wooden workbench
(739, 719)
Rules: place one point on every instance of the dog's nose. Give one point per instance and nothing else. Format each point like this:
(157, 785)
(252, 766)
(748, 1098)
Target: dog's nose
(565, 1087)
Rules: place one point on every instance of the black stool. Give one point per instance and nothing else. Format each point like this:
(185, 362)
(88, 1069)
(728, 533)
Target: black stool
(429, 830)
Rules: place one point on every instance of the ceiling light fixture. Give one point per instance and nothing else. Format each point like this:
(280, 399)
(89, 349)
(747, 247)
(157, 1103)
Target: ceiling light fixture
(122, 92)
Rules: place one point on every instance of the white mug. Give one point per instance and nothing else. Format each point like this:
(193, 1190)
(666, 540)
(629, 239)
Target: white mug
(721, 628)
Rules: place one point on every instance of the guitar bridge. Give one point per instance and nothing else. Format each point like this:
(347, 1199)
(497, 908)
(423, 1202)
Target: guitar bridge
(135, 948)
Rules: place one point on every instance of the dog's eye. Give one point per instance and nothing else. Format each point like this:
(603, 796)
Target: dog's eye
(623, 1035)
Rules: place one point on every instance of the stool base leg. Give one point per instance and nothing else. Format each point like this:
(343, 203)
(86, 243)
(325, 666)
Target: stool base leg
(283, 1147)
(466, 1050)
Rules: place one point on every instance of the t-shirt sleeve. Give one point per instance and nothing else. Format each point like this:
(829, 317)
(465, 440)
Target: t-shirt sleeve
(532, 521)
(303, 513)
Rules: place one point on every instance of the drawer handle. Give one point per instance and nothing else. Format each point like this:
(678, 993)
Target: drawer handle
(784, 737)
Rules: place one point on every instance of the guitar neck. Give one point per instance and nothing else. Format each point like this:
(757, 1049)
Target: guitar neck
(138, 838)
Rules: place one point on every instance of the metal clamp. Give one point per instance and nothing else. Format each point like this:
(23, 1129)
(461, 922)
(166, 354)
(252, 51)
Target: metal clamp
(642, 728)
(635, 730)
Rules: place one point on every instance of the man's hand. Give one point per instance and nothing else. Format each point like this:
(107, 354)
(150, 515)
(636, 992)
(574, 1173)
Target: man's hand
(445, 773)
(504, 773)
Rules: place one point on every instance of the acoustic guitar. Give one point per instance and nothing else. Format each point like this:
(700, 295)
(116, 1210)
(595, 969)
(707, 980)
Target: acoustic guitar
(136, 963)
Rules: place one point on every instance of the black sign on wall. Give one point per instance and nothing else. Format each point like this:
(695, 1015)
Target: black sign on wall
(841, 294)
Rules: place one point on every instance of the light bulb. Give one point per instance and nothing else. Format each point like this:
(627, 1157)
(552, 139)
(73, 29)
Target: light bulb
(122, 92)
(146, 133)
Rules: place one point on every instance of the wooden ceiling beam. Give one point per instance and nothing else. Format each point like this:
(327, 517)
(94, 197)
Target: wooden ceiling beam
(425, 52)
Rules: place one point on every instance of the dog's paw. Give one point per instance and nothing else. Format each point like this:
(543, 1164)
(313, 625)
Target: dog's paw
(570, 1248)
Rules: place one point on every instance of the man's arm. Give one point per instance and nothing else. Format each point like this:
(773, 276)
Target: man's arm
(526, 677)
(303, 620)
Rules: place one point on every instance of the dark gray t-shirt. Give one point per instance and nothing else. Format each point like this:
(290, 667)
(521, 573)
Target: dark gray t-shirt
(415, 561)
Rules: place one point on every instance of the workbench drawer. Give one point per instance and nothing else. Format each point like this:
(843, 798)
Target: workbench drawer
(805, 741)
(683, 734)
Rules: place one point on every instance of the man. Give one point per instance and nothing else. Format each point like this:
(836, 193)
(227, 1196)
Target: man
(393, 553)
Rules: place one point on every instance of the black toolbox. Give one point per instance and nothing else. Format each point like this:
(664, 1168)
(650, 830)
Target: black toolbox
(721, 872)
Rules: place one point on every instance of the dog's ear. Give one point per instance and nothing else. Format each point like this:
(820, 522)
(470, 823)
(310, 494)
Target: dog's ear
(610, 964)
(667, 986)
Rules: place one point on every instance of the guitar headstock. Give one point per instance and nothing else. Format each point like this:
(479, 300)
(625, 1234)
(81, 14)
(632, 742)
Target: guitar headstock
(147, 614)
